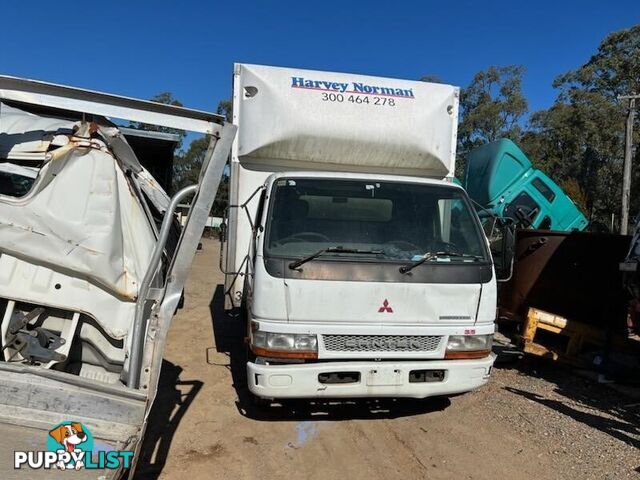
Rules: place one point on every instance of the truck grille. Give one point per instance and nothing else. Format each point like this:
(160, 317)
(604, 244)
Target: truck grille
(381, 343)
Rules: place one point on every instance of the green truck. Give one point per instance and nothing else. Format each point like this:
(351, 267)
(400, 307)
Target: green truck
(500, 178)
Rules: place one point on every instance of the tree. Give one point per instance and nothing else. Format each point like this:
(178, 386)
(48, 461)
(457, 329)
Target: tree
(225, 108)
(572, 188)
(167, 99)
(431, 79)
(492, 107)
(581, 137)
(187, 165)
(614, 69)
(186, 171)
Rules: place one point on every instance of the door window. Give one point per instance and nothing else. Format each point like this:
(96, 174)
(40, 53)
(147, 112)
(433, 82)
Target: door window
(544, 189)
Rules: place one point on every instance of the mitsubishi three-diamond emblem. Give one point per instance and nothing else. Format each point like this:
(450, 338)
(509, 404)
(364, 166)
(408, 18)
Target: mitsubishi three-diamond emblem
(385, 307)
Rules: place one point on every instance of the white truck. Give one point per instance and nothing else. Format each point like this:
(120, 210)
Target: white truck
(362, 270)
(92, 269)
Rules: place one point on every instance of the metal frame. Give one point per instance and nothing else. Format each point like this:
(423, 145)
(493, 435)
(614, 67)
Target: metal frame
(578, 333)
(165, 300)
(163, 310)
(145, 287)
(98, 103)
(240, 272)
(225, 216)
(60, 97)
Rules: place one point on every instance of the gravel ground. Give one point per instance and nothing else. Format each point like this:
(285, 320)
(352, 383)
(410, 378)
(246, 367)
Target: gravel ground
(532, 420)
(592, 430)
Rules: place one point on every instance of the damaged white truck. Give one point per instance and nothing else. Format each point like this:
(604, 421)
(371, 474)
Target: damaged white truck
(92, 269)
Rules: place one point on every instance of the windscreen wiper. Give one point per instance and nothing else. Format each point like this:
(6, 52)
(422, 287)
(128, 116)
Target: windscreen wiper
(296, 263)
(431, 255)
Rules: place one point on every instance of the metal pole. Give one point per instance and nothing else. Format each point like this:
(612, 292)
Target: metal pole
(613, 221)
(626, 178)
(139, 325)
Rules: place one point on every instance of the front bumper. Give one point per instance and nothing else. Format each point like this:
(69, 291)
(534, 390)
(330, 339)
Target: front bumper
(377, 379)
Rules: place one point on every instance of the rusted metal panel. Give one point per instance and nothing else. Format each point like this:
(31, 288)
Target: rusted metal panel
(572, 274)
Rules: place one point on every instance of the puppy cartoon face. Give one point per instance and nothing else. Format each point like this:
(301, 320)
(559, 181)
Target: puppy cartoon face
(69, 434)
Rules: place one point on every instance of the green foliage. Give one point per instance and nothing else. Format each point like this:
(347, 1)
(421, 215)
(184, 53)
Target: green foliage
(225, 108)
(431, 79)
(579, 140)
(167, 99)
(492, 107)
(187, 164)
(572, 188)
(581, 137)
(614, 69)
(186, 171)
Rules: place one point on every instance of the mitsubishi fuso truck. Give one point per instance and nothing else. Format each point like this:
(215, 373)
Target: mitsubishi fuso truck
(361, 269)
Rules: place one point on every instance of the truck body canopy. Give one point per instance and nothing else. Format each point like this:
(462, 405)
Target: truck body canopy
(315, 120)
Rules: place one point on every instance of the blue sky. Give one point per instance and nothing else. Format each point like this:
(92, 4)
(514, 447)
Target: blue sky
(140, 48)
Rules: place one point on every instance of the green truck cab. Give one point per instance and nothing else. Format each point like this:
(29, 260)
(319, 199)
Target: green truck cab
(500, 178)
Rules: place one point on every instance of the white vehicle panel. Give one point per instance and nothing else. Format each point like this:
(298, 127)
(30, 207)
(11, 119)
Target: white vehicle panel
(488, 301)
(330, 121)
(301, 381)
(89, 277)
(25, 281)
(364, 302)
(103, 238)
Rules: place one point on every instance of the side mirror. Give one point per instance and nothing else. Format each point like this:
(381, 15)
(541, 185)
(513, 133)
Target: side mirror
(502, 242)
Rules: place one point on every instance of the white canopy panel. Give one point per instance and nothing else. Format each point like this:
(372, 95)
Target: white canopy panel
(337, 121)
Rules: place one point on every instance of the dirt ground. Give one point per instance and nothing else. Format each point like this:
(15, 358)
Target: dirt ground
(533, 419)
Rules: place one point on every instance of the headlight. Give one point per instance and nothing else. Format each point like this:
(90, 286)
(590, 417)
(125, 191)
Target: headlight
(284, 345)
(468, 346)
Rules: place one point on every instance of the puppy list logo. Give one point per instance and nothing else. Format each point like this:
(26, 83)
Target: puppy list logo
(70, 446)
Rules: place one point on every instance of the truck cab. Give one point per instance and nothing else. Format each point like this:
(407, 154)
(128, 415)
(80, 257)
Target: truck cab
(361, 269)
(501, 178)
(340, 304)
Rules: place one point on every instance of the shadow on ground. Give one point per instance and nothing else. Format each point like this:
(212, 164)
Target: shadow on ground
(585, 400)
(174, 398)
(229, 333)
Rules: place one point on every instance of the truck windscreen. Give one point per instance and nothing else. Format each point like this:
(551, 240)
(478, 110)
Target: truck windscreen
(396, 221)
